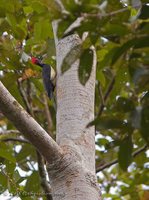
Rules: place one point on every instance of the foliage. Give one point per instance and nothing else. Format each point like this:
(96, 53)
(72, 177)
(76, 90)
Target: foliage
(119, 33)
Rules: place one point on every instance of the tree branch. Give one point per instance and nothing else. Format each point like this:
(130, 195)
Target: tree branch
(9, 132)
(11, 139)
(77, 23)
(25, 100)
(105, 97)
(101, 97)
(42, 172)
(134, 154)
(101, 15)
(28, 126)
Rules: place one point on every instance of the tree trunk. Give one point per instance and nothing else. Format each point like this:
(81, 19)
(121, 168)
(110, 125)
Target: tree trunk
(73, 176)
(71, 161)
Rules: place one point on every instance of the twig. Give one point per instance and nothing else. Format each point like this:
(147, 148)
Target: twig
(104, 99)
(9, 132)
(106, 165)
(28, 93)
(134, 154)
(101, 94)
(100, 15)
(40, 159)
(15, 140)
(42, 172)
(24, 98)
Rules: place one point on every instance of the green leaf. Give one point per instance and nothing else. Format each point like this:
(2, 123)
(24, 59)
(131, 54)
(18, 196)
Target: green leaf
(2, 9)
(136, 43)
(139, 75)
(18, 25)
(3, 182)
(63, 26)
(102, 141)
(43, 30)
(125, 153)
(105, 56)
(10, 167)
(7, 153)
(71, 57)
(115, 29)
(121, 78)
(141, 42)
(54, 9)
(121, 50)
(124, 104)
(85, 67)
(9, 80)
(38, 7)
(27, 150)
(27, 9)
(144, 12)
(86, 43)
(104, 123)
(33, 183)
(70, 5)
(100, 77)
(11, 19)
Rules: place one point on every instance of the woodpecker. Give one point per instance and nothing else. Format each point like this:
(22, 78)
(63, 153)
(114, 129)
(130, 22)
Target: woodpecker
(46, 75)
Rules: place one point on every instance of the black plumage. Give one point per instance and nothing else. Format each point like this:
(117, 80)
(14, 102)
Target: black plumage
(46, 75)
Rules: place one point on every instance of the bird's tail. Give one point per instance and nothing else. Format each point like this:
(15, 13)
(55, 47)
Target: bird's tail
(50, 90)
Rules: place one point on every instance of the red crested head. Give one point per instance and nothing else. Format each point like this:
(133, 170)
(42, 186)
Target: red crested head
(35, 60)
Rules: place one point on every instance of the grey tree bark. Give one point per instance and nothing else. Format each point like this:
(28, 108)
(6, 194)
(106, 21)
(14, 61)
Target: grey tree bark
(73, 177)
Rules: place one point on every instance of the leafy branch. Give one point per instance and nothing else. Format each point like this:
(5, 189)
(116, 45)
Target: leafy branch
(106, 165)
(101, 15)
